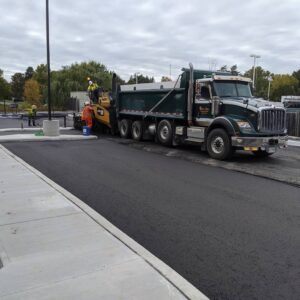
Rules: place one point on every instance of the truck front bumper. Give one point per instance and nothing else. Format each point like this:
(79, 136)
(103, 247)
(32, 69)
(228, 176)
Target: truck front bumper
(269, 144)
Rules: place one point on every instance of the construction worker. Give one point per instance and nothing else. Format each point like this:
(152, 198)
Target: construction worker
(93, 90)
(87, 114)
(32, 115)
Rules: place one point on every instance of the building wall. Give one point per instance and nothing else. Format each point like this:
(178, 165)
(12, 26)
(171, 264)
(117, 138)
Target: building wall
(81, 97)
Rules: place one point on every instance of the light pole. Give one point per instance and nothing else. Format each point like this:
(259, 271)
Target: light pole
(254, 66)
(269, 87)
(136, 78)
(48, 59)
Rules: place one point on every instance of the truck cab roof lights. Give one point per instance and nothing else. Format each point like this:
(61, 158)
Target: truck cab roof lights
(235, 78)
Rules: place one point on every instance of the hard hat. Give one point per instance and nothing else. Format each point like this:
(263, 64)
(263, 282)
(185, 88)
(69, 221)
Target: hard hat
(90, 82)
(86, 103)
(33, 106)
(88, 78)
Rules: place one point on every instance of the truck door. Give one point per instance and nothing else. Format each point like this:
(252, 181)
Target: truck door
(202, 109)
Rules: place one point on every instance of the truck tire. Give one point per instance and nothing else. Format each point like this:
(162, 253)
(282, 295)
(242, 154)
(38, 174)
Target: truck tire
(125, 128)
(165, 133)
(137, 130)
(219, 144)
(261, 153)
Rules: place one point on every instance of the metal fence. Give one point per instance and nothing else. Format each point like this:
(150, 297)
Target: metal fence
(293, 123)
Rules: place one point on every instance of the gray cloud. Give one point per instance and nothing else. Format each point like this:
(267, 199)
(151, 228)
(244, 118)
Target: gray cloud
(147, 36)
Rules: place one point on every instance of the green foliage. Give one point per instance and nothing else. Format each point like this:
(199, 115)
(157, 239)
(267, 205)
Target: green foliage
(5, 92)
(29, 73)
(17, 85)
(32, 92)
(140, 79)
(40, 74)
(283, 85)
(224, 68)
(261, 81)
(296, 74)
(165, 78)
(24, 105)
(75, 78)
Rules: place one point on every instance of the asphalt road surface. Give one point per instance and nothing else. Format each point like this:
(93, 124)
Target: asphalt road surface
(233, 235)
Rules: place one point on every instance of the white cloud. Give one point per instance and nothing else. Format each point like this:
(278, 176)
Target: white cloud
(147, 36)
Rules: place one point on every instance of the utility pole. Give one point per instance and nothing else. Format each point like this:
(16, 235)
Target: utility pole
(48, 60)
(136, 77)
(269, 87)
(170, 71)
(254, 66)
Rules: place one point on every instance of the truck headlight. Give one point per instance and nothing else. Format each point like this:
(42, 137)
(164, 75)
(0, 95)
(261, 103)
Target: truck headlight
(243, 124)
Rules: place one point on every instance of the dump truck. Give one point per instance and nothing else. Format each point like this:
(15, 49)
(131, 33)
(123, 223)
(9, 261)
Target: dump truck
(215, 110)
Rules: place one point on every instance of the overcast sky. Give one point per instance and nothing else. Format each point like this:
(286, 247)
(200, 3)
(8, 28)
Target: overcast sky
(131, 36)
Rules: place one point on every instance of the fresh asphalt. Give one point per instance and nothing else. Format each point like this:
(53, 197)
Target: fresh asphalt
(233, 235)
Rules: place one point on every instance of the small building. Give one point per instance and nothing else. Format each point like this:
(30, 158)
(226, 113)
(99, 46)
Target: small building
(80, 98)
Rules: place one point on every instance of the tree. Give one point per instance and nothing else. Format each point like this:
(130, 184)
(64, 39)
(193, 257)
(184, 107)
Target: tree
(224, 68)
(296, 74)
(17, 85)
(261, 81)
(283, 85)
(4, 87)
(40, 74)
(29, 73)
(165, 78)
(233, 70)
(32, 92)
(140, 79)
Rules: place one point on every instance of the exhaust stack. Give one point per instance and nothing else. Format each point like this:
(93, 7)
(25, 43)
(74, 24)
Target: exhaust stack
(190, 96)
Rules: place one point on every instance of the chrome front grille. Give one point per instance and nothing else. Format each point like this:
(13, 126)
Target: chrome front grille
(272, 120)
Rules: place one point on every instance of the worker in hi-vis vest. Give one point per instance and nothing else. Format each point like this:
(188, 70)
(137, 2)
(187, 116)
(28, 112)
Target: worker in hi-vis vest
(93, 90)
(87, 114)
(32, 115)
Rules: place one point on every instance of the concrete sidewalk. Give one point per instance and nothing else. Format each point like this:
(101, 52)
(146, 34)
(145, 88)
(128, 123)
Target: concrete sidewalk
(53, 246)
(33, 138)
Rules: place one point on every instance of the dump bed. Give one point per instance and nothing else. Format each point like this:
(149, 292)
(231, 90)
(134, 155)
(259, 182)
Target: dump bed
(160, 102)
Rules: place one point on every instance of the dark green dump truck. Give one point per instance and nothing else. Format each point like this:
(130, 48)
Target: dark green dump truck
(215, 110)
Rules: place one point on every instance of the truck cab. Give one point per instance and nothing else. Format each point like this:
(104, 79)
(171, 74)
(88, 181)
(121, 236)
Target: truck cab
(226, 117)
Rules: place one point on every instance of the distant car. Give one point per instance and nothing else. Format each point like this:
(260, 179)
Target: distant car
(13, 105)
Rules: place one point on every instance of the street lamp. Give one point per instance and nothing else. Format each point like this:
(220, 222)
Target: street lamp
(269, 87)
(254, 66)
(136, 78)
(48, 59)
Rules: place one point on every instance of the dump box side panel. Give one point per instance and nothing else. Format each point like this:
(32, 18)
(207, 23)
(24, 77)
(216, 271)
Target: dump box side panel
(142, 102)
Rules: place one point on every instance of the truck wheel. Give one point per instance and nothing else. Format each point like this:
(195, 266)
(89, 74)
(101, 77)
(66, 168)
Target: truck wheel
(125, 128)
(219, 144)
(137, 130)
(165, 133)
(261, 153)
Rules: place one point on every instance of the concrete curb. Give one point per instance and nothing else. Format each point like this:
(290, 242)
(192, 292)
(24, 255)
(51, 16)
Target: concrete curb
(186, 288)
(33, 138)
(294, 138)
(30, 129)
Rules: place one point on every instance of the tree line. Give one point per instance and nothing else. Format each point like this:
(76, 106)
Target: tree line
(31, 86)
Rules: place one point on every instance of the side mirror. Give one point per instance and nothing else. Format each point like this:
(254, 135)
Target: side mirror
(215, 106)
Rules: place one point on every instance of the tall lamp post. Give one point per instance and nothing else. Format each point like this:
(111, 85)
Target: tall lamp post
(269, 87)
(136, 77)
(48, 60)
(254, 66)
(50, 127)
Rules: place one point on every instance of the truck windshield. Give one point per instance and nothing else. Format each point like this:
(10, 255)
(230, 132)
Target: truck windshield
(224, 88)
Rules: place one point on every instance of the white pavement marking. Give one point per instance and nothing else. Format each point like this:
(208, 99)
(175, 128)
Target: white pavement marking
(33, 138)
(52, 246)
